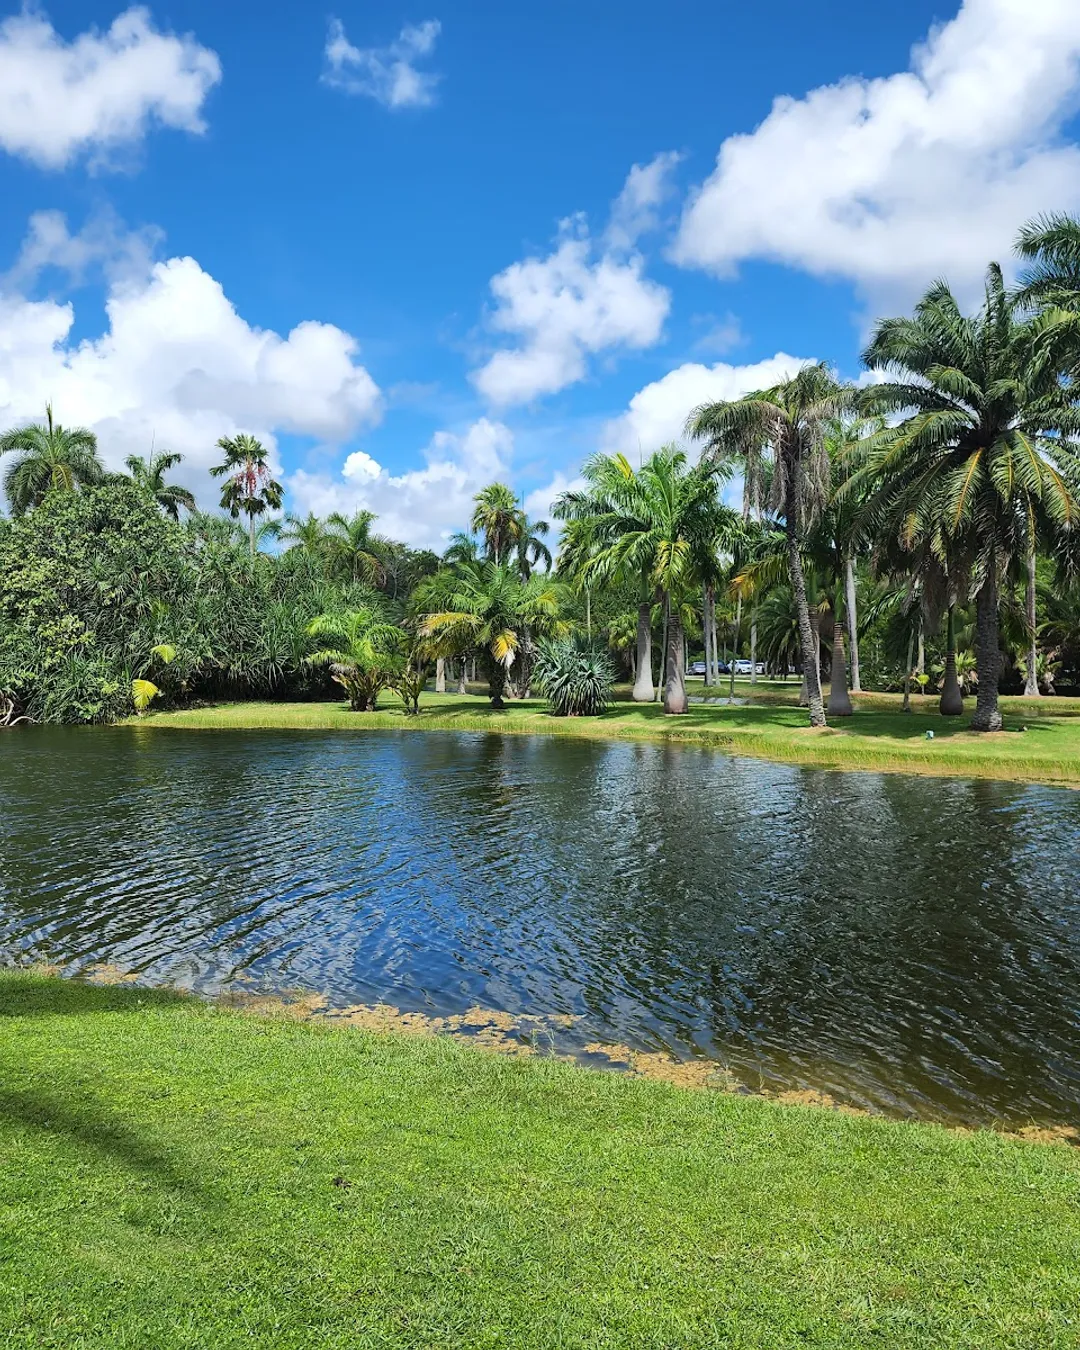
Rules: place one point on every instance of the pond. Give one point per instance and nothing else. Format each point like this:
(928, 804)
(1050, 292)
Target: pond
(907, 945)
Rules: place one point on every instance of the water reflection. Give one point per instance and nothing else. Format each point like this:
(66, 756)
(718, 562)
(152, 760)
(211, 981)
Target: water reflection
(906, 944)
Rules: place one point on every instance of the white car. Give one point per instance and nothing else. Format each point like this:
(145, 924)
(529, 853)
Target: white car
(744, 667)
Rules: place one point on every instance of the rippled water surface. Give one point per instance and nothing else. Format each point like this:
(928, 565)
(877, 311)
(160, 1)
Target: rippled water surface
(907, 944)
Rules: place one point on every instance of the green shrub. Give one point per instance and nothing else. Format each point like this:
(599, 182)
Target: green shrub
(575, 675)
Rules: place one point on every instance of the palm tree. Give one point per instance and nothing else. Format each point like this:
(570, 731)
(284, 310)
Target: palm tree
(50, 458)
(790, 421)
(355, 551)
(983, 463)
(150, 473)
(307, 534)
(492, 609)
(362, 651)
(249, 490)
(530, 546)
(654, 527)
(497, 516)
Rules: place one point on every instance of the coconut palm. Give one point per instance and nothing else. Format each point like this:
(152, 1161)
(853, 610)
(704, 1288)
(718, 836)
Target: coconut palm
(249, 489)
(983, 463)
(789, 422)
(50, 458)
(150, 475)
(494, 611)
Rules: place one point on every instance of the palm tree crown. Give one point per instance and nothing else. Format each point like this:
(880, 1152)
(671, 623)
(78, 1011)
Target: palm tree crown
(150, 473)
(249, 489)
(49, 458)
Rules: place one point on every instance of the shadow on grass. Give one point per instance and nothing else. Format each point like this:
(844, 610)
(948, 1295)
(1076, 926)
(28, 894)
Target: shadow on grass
(84, 1122)
(29, 994)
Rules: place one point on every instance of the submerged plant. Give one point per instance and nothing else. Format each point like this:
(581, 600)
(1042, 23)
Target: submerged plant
(575, 675)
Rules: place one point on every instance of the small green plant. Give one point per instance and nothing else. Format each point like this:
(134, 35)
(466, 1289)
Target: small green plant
(143, 693)
(575, 676)
(408, 683)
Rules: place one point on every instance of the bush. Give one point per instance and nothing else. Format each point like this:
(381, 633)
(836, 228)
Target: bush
(575, 675)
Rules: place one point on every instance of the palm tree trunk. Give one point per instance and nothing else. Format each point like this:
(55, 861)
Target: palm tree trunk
(907, 670)
(440, 675)
(497, 683)
(839, 700)
(1031, 683)
(753, 643)
(706, 628)
(251, 532)
(811, 670)
(461, 688)
(675, 689)
(952, 696)
(644, 691)
(734, 651)
(988, 652)
(664, 649)
(850, 604)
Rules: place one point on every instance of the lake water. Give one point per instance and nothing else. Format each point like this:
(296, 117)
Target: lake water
(909, 945)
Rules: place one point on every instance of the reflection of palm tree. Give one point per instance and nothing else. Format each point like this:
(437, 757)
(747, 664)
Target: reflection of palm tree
(51, 458)
(150, 473)
(249, 490)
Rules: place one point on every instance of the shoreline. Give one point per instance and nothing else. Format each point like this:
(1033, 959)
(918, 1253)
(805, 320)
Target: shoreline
(876, 740)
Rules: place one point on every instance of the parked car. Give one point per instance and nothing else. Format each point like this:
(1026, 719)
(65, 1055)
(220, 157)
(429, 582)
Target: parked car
(745, 667)
(697, 668)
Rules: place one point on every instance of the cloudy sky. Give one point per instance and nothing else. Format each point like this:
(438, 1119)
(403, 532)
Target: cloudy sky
(415, 249)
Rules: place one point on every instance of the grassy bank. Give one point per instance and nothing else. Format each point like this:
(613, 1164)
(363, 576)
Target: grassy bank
(180, 1176)
(879, 736)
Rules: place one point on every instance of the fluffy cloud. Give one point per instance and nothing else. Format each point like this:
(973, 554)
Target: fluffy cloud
(422, 506)
(893, 181)
(658, 412)
(59, 100)
(103, 243)
(386, 74)
(563, 308)
(179, 365)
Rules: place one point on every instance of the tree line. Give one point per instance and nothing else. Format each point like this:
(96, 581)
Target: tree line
(916, 530)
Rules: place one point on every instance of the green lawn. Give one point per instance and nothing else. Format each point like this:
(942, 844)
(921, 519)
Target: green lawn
(175, 1175)
(879, 736)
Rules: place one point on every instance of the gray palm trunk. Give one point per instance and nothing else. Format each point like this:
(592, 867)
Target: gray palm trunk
(675, 688)
(850, 604)
(753, 643)
(988, 653)
(644, 691)
(839, 699)
(811, 674)
(440, 675)
(1031, 683)
(461, 687)
(952, 696)
(907, 671)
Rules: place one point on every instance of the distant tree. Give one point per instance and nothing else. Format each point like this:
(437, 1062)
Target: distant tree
(249, 489)
(150, 473)
(50, 458)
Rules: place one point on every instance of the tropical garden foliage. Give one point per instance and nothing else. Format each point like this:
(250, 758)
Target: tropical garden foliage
(919, 532)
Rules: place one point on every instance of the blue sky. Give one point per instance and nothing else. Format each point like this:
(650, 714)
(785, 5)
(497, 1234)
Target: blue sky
(414, 259)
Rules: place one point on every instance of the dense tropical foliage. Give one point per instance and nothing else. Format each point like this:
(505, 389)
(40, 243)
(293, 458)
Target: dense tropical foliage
(915, 533)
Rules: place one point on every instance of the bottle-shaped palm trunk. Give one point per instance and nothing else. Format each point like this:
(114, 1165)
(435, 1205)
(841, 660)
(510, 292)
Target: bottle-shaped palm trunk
(644, 690)
(675, 688)
(988, 653)
(440, 675)
(852, 614)
(839, 699)
(952, 696)
(807, 644)
(1031, 682)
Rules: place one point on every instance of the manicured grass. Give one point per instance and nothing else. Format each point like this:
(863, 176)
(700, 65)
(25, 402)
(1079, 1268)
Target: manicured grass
(879, 736)
(174, 1175)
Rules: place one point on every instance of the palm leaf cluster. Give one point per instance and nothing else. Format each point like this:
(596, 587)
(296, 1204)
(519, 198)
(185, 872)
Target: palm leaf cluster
(575, 675)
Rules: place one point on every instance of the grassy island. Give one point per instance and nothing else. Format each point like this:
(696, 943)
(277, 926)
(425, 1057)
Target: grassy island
(1040, 742)
(178, 1175)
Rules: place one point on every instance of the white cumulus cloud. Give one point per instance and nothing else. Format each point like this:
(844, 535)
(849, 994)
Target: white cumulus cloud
(656, 414)
(563, 308)
(422, 506)
(101, 91)
(893, 181)
(387, 74)
(636, 210)
(178, 365)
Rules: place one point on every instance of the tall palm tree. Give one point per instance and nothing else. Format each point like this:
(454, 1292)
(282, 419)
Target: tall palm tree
(150, 473)
(249, 489)
(530, 546)
(790, 422)
(983, 463)
(354, 549)
(50, 458)
(492, 609)
(654, 527)
(497, 516)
